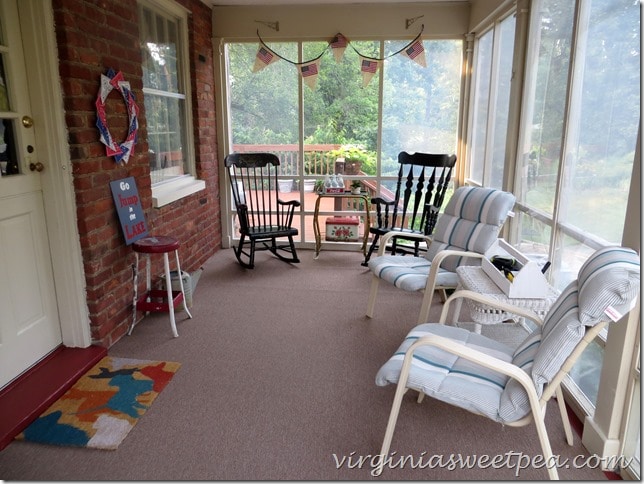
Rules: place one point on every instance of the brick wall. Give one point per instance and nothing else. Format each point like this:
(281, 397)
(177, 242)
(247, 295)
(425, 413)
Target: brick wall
(93, 36)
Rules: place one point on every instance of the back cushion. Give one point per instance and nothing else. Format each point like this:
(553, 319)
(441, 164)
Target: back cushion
(610, 278)
(543, 352)
(561, 332)
(471, 221)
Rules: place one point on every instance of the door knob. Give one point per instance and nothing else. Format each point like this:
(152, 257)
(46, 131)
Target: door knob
(38, 166)
(27, 121)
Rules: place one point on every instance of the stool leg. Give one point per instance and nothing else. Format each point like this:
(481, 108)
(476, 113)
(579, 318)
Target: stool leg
(185, 303)
(136, 293)
(168, 283)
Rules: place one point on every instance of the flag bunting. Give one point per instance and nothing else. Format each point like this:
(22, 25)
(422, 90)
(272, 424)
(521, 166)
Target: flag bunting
(309, 69)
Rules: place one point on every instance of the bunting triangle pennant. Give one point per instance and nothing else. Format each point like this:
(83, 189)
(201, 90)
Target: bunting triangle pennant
(338, 44)
(263, 58)
(368, 67)
(309, 73)
(416, 52)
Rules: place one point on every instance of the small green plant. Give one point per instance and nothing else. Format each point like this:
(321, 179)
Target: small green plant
(319, 186)
(356, 154)
(356, 184)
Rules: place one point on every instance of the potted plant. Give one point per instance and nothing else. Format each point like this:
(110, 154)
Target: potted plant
(356, 159)
(356, 185)
(319, 186)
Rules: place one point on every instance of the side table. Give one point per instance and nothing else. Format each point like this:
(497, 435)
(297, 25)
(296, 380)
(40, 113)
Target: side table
(473, 278)
(316, 222)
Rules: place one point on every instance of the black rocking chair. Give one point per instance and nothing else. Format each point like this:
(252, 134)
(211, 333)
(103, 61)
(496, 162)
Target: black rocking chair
(263, 217)
(415, 206)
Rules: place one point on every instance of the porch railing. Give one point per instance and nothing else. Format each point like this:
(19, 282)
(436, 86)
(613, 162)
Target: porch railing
(317, 158)
(318, 161)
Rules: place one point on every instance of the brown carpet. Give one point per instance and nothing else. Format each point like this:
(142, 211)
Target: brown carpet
(277, 383)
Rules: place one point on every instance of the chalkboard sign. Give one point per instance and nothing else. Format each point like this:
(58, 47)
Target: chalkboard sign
(128, 207)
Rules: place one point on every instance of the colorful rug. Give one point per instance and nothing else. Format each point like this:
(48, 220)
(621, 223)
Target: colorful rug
(101, 408)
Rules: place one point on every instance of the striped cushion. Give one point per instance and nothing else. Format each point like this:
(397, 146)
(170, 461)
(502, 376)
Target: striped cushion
(610, 277)
(514, 403)
(471, 221)
(449, 378)
(409, 273)
(561, 332)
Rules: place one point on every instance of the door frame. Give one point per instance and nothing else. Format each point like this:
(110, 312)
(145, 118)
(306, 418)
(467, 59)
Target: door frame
(45, 91)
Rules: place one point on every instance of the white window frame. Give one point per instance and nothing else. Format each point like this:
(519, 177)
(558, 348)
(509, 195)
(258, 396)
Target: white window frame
(166, 192)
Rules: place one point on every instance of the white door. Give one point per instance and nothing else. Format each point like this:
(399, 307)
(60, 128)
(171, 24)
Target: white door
(29, 323)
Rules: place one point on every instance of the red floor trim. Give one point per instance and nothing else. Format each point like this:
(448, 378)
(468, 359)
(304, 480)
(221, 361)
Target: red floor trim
(24, 399)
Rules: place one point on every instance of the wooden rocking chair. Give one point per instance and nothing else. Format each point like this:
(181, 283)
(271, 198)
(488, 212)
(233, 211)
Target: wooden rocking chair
(423, 179)
(263, 217)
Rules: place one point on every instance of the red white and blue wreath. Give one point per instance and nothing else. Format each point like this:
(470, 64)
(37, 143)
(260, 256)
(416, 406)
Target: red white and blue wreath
(120, 151)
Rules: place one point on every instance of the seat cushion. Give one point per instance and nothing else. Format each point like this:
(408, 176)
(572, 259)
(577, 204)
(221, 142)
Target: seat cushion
(409, 273)
(450, 378)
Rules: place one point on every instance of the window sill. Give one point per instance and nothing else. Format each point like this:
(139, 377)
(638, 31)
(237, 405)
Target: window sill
(175, 190)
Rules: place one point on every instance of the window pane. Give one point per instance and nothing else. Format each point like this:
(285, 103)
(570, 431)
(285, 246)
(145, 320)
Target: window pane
(501, 107)
(263, 105)
(420, 104)
(483, 70)
(4, 89)
(604, 120)
(493, 77)
(585, 372)
(533, 237)
(545, 93)
(341, 114)
(165, 137)
(569, 260)
(163, 95)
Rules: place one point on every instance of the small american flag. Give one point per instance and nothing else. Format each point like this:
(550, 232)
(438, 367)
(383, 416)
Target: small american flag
(369, 66)
(264, 55)
(415, 49)
(309, 70)
(339, 41)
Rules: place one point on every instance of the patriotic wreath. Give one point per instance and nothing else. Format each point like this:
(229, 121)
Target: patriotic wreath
(120, 151)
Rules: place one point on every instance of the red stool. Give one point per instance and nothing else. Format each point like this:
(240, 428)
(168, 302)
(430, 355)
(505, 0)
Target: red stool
(155, 300)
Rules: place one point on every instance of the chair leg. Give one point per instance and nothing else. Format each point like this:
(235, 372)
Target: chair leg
(293, 252)
(428, 295)
(372, 247)
(564, 415)
(136, 293)
(375, 281)
(545, 446)
(389, 433)
(185, 303)
(401, 389)
(166, 266)
(239, 252)
(276, 249)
